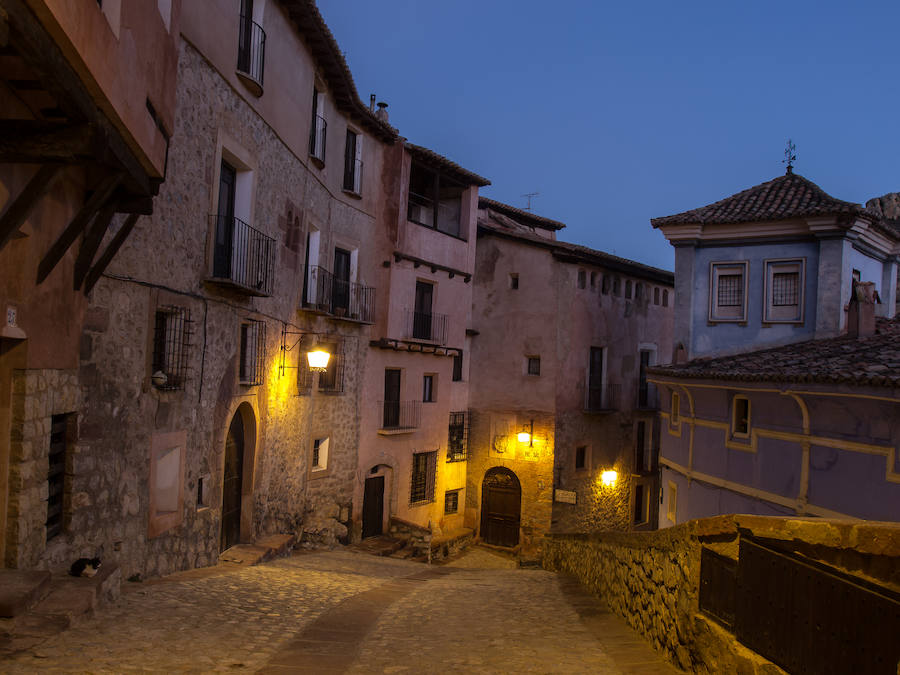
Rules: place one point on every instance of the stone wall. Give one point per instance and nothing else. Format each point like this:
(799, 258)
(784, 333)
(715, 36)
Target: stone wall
(652, 578)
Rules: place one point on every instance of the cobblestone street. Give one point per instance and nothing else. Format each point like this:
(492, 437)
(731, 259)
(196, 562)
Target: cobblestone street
(345, 611)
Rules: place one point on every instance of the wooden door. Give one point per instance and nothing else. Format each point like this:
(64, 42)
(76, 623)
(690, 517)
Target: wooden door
(373, 507)
(391, 418)
(422, 312)
(501, 501)
(222, 251)
(232, 482)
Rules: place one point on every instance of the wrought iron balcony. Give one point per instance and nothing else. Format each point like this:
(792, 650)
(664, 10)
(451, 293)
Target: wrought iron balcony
(243, 256)
(648, 396)
(251, 53)
(323, 292)
(397, 415)
(427, 326)
(604, 398)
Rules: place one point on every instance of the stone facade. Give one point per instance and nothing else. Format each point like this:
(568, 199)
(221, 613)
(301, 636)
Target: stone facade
(652, 579)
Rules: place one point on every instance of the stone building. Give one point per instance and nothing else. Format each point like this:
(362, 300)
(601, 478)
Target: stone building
(83, 149)
(563, 337)
(413, 413)
(809, 425)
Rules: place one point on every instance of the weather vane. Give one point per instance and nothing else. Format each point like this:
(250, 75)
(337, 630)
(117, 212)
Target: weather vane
(529, 196)
(789, 156)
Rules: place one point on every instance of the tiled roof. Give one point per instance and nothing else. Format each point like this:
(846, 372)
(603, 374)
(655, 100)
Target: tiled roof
(519, 214)
(432, 159)
(330, 59)
(872, 361)
(788, 196)
(576, 254)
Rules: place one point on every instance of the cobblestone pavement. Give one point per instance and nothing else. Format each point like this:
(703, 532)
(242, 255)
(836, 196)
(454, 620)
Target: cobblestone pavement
(338, 611)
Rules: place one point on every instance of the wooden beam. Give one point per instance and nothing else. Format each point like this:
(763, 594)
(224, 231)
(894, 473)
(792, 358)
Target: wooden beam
(91, 242)
(23, 141)
(82, 218)
(18, 210)
(110, 252)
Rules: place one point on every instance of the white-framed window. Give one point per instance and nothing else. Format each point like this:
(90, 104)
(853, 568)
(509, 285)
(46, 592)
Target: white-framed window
(429, 382)
(740, 417)
(353, 164)
(728, 291)
(784, 286)
(319, 127)
(319, 460)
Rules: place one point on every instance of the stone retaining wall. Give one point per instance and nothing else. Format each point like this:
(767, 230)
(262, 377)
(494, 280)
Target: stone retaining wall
(652, 579)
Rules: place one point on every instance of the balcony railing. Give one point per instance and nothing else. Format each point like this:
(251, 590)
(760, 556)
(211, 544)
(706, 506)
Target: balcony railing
(251, 50)
(317, 136)
(427, 326)
(243, 256)
(400, 414)
(343, 299)
(602, 398)
(648, 396)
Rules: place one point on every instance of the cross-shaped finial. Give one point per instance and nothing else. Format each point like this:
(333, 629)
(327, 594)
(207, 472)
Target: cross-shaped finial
(789, 157)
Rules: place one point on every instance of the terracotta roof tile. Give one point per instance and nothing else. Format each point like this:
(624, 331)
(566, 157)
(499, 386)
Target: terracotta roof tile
(788, 196)
(872, 360)
(431, 158)
(519, 214)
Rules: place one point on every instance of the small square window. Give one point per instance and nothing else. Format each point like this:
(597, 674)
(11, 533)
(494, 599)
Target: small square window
(428, 388)
(581, 457)
(784, 291)
(533, 365)
(514, 281)
(728, 292)
(740, 417)
(451, 501)
(320, 454)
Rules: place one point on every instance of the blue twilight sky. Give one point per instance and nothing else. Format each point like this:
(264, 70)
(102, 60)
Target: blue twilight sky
(619, 112)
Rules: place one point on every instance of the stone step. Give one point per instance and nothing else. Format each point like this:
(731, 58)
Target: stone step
(21, 590)
(259, 551)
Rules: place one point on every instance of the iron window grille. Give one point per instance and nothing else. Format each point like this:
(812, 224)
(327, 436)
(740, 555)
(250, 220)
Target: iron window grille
(243, 255)
(730, 291)
(785, 288)
(451, 502)
(332, 380)
(171, 347)
(251, 47)
(458, 436)
(534, 365)
(253, 352)
(421, 486)
(61, 432)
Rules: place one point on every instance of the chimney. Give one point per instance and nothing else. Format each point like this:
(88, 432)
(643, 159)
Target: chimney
(372, 102)
(382, 112)
(861, 312)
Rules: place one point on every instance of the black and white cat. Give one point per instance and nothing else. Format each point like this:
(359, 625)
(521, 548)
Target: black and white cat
(85, 567)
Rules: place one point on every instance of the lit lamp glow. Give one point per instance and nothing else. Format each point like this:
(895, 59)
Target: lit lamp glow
(318, 360)
(527, 433)
(523, 437)
(608, 478)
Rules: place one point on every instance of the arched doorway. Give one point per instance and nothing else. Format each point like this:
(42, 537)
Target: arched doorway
(501, 503)
(232, 483)
(373, 500)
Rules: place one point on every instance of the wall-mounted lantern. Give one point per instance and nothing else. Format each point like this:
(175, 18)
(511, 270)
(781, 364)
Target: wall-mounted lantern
(526, 435)
(316, 359)
(608, 478)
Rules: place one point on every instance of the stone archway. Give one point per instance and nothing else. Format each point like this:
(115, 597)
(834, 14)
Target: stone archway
(237, 472)
(501, 507)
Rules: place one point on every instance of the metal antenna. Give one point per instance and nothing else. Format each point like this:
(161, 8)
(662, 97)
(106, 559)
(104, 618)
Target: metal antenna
(529, 196)
(789, 157)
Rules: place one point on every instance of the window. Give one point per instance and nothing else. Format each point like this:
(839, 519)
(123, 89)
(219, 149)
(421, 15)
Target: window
(581, 457)
(593, 280)
(62, 437)
(253, 352)
(641, 504)
(647, 397)
(251, 48)
(604, 285)
(421, 487)
(595, 380)
(740, 417)
(391, 416)
(617, 285)
(423, 327)
(514, 281)
(428, 388)
(784, 291)
(728, 292)
(628, 289)
(458, 366)
(674, 418)
(171, 343)
(319, 454)
(451, 502)
(656, 295)
(430, 192)
(665, 299)
(638, 291)
(581, 278)
(353, 163)
(203, 491)
(643, 457)
(458, 436)
(671, 508)
(332, 380)
(319, 127)
(533, 365)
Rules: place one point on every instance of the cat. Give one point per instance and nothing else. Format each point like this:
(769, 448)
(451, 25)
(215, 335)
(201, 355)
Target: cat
(85, 567)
